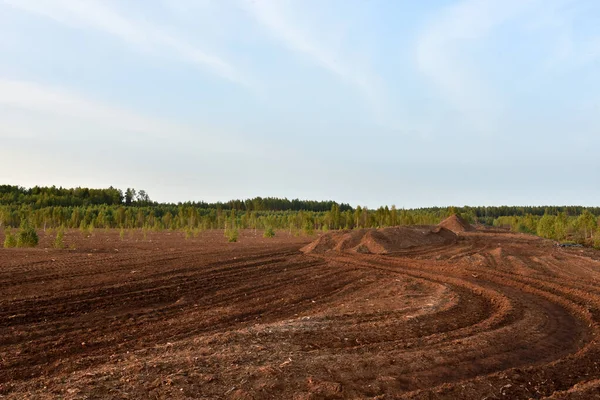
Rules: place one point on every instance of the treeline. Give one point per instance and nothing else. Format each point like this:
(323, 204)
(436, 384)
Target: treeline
(41, 197)
(51, 207)
(582, 228)
(482, 212)
(487, 215)
(186, 216)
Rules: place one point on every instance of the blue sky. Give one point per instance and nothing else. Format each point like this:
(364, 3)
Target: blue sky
(369, 102)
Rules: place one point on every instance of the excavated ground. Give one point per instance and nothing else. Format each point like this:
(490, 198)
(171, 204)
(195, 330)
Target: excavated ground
(491, 316)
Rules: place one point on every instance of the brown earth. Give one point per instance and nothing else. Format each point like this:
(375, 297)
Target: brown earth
(490, 316)
(456, 223)
(380, 241)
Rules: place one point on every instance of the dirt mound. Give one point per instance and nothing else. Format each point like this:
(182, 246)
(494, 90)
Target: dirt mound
(456, 223)
(380, 241)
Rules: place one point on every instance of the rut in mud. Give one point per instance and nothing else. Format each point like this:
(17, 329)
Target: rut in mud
(492, 314)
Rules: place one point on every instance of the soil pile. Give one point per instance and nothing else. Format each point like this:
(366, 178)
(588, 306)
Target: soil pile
(455, 223)
(380, 241)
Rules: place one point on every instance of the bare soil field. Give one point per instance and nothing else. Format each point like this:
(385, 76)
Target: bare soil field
(490, 315)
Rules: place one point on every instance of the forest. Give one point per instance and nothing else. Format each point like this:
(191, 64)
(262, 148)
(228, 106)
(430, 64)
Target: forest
(87, 209)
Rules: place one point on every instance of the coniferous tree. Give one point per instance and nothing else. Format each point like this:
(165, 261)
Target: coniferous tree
(545, 226)
(587, 223)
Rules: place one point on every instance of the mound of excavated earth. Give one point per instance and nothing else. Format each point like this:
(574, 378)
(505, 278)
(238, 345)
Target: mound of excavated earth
(380, 241)
(455, 223)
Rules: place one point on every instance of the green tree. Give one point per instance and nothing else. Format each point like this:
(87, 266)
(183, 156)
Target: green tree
(269, 233)
(336, 217)
(27, 236)
(59, 239)
(129, 196)
(10, 240)
(393, 216)
(561, 226)
(545, 226)
(587, 223)
(232, 235)
(309, 226)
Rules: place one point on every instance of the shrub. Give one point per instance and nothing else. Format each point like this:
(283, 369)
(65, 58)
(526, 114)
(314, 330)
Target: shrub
(59, 240)
(122, 234)
(232, 234)
(522, 228)
(269, 233)
(10, 240)
(27, 237)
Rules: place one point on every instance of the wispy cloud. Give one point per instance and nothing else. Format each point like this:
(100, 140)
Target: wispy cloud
(565, 22)
(30, 109)
(444, 55)
(275, 17)
(141, 35)
(56, 102)
(441, 56)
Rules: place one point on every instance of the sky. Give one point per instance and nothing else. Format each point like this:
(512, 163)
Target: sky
(369, 102)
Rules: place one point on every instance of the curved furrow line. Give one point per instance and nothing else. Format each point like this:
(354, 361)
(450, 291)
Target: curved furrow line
(558, 278)
(260, 298)
(580, 332)
(553, 341)
(146, 288)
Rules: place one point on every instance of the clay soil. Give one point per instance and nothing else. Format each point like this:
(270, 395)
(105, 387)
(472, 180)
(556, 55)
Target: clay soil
(456, 224)
(492, 315)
